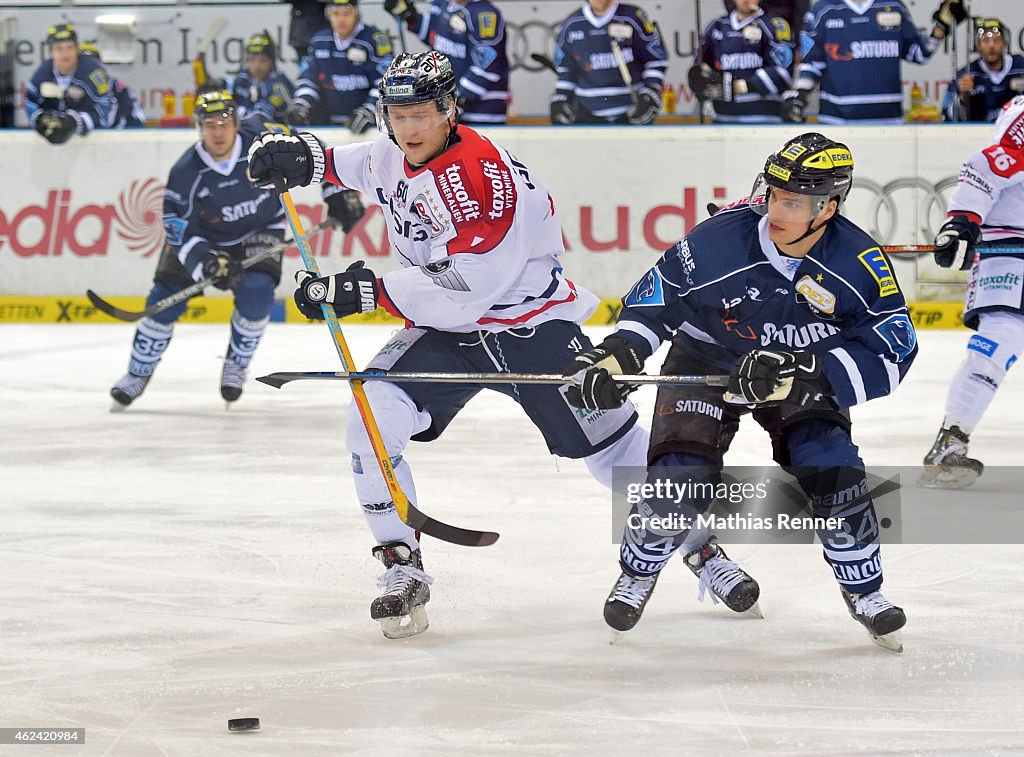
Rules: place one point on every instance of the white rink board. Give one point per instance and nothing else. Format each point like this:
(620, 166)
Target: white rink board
(87, 214)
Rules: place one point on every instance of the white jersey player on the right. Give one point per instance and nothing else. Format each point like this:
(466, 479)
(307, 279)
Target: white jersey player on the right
(988, 204)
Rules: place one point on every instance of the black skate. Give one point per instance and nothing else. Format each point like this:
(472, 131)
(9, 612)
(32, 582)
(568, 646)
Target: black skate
(726, 580)
(400, 608)
(232, 380)
(881, 617)
(128, 389)
(947, 466)
(625, 604)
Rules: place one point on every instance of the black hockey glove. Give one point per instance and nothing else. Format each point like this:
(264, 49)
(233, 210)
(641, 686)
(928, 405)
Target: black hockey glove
(354, 291)
(297, 114)
(56, 127)
(647, 106)
(362, 120)
(794, 103)
(344, 206)
(405, 10)
(954, 244)
(300, 159)
(563, 110)
(950, 13)
(709, 84)
(225, 271)
(590, 374)
(769, 377)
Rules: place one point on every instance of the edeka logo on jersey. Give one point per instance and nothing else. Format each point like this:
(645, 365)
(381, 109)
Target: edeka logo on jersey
(875, 261)
(61, 226)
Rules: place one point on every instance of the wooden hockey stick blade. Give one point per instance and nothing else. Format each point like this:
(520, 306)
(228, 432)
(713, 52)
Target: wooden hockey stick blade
(207, 39)
(279, 379)
(191, 291)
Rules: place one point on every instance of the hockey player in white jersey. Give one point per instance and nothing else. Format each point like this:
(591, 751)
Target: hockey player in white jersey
(481, 289)
(988, 204)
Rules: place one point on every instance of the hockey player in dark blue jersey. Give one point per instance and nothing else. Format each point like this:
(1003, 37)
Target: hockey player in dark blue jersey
(126, 113)
(801, 309)
(743, 65)
(261, 88)
(471, 34)
(69, 93)
(339, 77)
(213, 219)
(982, 88)
(853, 49)
(594, 44)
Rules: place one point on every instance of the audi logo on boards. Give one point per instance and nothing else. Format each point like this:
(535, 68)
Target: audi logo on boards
(902, 211)
(527, 38)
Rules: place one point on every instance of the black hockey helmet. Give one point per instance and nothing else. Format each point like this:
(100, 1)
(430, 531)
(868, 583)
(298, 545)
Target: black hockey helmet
(984, 27)
(215, 104)
(261, 43)
(61, 33)
(90, 50)
(811, 164)
(414, 78)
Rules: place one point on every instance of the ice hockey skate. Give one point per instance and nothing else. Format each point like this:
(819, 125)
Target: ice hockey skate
(400, 607)
(128, 389)
(232, 380)
(881, 617)
(947, 466)
(625, 604)
(726, 580)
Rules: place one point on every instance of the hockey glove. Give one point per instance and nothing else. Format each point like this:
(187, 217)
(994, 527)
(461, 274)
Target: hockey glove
(56, 127)
(344, 206)
(300, 159)
(590, 374)
(224, 270)
(954, 244)
(362, 120)
(297, 114)
(563, 110)
(950, 13)
(354, 291)
(769, 377)
(405, 10)
(647, 106)
(794, 103)
(709, 84)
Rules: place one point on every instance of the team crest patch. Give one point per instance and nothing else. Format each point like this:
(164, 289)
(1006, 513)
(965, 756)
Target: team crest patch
(874, 260)
(429, 214)
(818, 297)
(174, 228)
(648, 292)
(898, 333)
(100, 81)
(888, 20)
(357, 55)
(782, 31)
(752, 33)
(483, 56)
(487, 24)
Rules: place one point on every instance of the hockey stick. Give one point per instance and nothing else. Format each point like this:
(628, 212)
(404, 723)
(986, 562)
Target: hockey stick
(200, 76)
(406, 510)
(700, 53)
(277, 380)
(627, 78)
(926, 249)
(129, 315)
(544, 61)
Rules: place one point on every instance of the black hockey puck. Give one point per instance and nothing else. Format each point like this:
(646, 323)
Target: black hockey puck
(244, 724)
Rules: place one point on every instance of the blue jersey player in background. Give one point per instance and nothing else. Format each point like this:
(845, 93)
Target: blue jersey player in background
(339, 76)
(214, 219)
(260, 87)
(983, 87)
(70, 93)
(800, 308)
(743, 65)
(471, 34)
(126, 112)
(593, 45)
(852, 49)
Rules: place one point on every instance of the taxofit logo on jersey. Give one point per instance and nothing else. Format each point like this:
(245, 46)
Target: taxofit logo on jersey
(876, 263)
(503, 191)
(1007, 281)
(456, 195)
(60, 226)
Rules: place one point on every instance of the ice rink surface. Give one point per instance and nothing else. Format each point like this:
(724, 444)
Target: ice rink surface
(176, 565)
